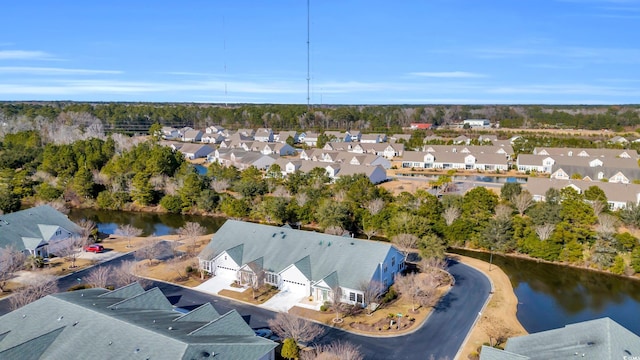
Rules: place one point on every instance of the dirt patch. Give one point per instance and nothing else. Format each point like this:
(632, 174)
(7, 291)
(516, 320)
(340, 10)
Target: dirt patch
(499, 316)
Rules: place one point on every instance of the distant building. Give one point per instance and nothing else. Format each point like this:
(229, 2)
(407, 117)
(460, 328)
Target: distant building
(477, 123)
(420, 126)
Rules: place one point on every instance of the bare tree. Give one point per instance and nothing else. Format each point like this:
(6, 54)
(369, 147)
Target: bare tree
(340, 196)
(497, 331)
(420, 289)
(70, 248)
(503, 212)
(374, 206)
(149, 250)
(522, 201)
(257, 280)
(87, 228)
(11, 261)
(545, 231)
(302, 198)
(451, 214)
(334, 230)
(286, 326)
(335, 351)
(372, 291)
(37, 288)
(406, 242)
(128, 232)
(220, 186)
(99, 276)
(336, 300)
(437, 268)
(125, 273)
(598, 207)
(191, 231)
(282, 192)
(607, 225)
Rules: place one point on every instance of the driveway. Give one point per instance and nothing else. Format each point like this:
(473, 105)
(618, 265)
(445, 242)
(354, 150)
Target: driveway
(283, 301)
(217, 283)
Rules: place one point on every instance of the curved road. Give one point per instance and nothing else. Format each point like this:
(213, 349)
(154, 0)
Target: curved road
(441, 335)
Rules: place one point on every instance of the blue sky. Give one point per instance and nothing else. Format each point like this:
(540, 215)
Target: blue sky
(362, 52)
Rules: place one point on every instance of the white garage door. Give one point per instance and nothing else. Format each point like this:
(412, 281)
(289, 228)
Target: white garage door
(295, 287)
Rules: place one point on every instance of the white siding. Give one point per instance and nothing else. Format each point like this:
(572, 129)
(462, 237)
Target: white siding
(294, 281)
(225, 266)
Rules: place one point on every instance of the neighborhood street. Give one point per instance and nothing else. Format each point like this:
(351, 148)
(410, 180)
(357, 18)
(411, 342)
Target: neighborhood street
(441, 335)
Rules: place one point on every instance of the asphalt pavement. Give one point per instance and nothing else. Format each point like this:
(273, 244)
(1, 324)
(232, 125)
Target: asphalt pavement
(440, 336)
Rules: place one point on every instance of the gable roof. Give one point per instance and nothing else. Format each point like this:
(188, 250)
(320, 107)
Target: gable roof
(22, 229)
(596, 339)
(87, 322)
(315, 254)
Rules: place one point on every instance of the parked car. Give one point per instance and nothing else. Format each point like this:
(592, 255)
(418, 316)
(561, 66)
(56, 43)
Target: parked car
(95, 248)
(267, 334)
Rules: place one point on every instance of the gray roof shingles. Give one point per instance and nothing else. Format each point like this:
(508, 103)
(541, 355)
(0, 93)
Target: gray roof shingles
(354, 260)
(87, 326)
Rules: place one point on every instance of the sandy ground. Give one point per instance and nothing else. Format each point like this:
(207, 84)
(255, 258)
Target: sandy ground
(501, 309)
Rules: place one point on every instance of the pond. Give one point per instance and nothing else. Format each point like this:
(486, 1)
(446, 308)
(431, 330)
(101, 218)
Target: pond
(552, 296)
(150, 223)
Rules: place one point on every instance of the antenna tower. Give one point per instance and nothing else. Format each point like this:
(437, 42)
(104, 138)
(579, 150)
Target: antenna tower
(308, 58)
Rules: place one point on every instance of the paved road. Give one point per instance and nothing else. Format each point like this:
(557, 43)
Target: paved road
(441, 335)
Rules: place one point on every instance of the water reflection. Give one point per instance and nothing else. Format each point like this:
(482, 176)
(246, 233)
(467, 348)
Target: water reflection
(150, 223)
(551, 296)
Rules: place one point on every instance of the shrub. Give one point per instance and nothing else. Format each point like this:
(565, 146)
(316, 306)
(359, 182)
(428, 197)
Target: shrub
(189, 269)
(172, 203)
(79, 287)
(390, 295)
(324, 307)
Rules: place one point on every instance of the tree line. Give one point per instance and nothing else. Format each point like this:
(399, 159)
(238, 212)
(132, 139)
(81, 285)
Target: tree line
(134, 117)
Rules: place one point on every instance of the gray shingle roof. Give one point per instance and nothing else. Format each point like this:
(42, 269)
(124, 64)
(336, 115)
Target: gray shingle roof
(355, 260)
(84, 325)
(25, 228)
(601, 339)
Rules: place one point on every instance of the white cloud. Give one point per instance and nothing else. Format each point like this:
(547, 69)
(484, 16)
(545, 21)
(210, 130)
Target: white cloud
(24, 55)
(53, 71)
(448, 74)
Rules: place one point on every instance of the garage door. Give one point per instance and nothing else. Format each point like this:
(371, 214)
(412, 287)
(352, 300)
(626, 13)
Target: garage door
(295, 287)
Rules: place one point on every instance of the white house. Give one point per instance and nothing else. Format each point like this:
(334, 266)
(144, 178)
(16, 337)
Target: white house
(618, 194)
(195, 151)
(192, 135)
(263, 135)
(477, 123)
(305, 263)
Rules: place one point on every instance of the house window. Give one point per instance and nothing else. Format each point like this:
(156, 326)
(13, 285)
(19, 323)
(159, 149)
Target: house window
(385, 268)
(393, 261)
(271, 278)
(352, 296)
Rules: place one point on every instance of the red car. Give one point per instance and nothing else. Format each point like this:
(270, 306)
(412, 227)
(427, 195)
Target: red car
(96, 248)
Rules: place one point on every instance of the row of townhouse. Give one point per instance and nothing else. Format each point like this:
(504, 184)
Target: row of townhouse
(612, 165)
(346, 157)
(386, 150)
(375, 173)
(618, 194)
(242, 159)
(484, 158)
(302, 263)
